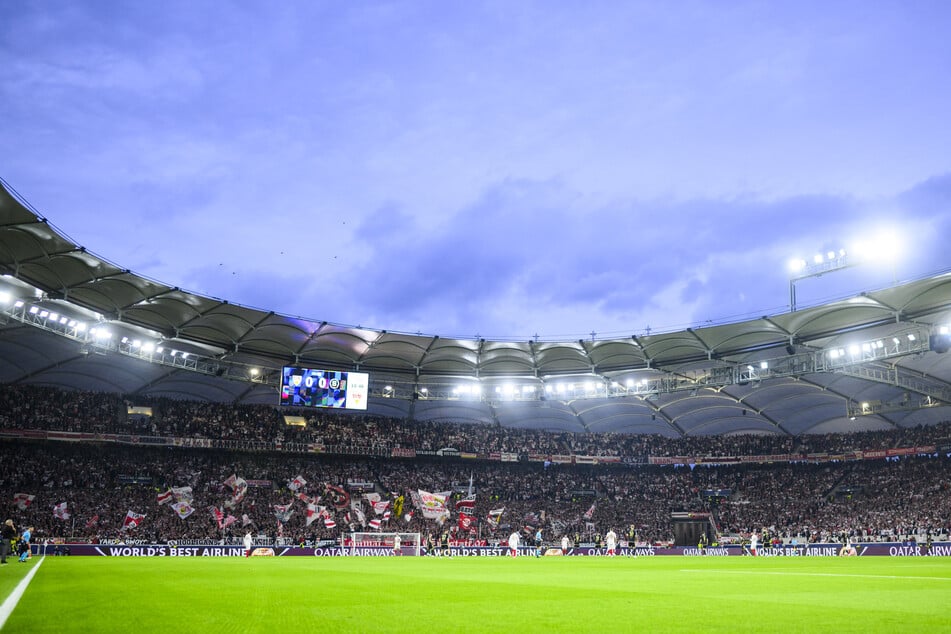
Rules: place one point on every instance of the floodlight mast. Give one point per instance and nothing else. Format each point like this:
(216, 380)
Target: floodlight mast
(820, 265)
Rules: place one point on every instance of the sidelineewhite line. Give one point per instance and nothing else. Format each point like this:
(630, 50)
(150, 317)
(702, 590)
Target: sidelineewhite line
(7, 608)
(814, 574)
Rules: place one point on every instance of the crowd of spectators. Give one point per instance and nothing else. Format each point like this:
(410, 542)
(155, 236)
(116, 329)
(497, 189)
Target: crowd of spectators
(32, 407)
(100, 482)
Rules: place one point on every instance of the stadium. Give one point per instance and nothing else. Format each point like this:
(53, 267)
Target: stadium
(142, 424)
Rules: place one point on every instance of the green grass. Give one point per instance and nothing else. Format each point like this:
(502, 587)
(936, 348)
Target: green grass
(419, 594)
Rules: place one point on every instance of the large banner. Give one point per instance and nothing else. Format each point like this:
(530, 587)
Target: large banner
(878, 549)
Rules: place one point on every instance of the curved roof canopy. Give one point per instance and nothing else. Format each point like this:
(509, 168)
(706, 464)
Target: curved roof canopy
(858, 364)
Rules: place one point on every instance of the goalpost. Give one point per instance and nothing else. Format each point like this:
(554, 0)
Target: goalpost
(409, 543)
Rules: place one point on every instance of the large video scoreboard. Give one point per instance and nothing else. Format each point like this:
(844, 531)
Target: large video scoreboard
(309, 387)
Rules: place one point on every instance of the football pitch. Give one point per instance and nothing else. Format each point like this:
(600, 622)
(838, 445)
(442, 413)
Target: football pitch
(479, 594)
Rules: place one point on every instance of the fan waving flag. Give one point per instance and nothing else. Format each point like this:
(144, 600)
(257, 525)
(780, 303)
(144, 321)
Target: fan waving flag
(296, 484)
(466, 505)
(132, 520)
(329, 522)
(466, 521)
(590, 512)
(306, 499)
(338, 496)
(182, 494)
(283, 512)
(23, 500)
(182, 509)
(164, 498)
(313, 512)
(60, 511)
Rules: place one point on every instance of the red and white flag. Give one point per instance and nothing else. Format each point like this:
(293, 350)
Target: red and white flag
(92, 521)
(360, 516)
(23, 500)
(306, 499)
(329, 522)
(283, 512)
(164, 498)
(494, 516)
(374, 524)
(465, 521)
(132, 520)
(60, 511)
(338, 496)
(231, 519)
(296, 484)
(245, 520)
(218, 514)
(380, 506)
(590, 512)
(313, 512)
(433, 505)
(182, 494)
(182, 509)
(466, 505)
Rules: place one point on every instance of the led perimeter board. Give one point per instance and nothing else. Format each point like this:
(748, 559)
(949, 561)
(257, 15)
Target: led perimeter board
(307, 387)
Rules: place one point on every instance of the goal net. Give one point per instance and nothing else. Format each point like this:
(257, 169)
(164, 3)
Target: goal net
(409, 543)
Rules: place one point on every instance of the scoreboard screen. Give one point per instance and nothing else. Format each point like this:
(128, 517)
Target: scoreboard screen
(307, 387)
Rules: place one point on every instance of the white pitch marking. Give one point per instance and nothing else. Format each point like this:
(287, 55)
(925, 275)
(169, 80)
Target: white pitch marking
(7, 608)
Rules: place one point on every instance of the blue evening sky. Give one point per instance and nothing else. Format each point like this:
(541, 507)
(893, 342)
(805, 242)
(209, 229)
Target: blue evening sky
(502, 169)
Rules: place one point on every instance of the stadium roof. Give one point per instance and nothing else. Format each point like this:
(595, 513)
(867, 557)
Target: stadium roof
(863, 363)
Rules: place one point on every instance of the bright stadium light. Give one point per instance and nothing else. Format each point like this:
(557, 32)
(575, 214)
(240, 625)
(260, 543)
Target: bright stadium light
(884, 246)
(820, 265)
